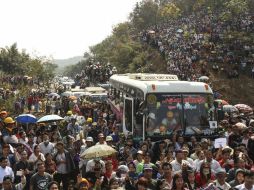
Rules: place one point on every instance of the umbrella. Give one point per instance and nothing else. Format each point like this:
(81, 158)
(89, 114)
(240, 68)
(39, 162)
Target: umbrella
(72, 97)
(151, 32)
(49, 118)
(230, 109)
(243, 108)
(26, 118)
(98, 151)
(203, 78)
(67, 93)
(53, 94)
(221, 102)
(179, 31)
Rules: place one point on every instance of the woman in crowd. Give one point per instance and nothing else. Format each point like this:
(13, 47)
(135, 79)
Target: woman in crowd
(205, 176)
(53, 186)
(36, 156)
(50, 164)
(239, 178)
(142, 184)
(178, 183)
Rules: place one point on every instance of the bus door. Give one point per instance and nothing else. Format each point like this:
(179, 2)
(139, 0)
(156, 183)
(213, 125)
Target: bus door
(128, 115)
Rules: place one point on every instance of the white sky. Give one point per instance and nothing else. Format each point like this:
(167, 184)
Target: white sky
(61, 28)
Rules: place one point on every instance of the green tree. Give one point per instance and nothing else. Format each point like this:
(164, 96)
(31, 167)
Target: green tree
(11, 59)
(145, 14)
(170, 10)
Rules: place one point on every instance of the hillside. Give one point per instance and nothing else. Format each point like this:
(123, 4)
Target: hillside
(189, 39)
(235, 91)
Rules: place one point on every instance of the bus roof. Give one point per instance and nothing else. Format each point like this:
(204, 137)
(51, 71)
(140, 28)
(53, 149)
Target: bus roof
(167, 84)
(95, 89)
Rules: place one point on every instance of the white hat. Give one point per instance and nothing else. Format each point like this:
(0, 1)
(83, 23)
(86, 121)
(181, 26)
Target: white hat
(123, 168)
(251, 121)
(240, 125)
(220, 170)
(151, 115)
(109, 138)
(89, 139)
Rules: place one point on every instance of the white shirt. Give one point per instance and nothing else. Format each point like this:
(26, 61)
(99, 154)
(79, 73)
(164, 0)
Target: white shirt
(6, 171)
(214, 165)
(190, 161)
(177, 167)
(33, 158)
(10, 139)
(61, 168)
(46, 149)
(22, 141)
(196, 164)
(242, 187)
(90, 165)
(98, 143)
(225, 186)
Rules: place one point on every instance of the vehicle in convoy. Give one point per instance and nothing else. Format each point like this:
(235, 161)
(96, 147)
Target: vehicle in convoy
(94, 90)
(81, 94)
(97, 97)
(159, 105)
(104, 85)
(67, 93)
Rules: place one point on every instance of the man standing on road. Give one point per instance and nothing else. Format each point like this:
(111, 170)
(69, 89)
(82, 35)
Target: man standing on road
(4, 169)
(41, 179)
(46, 146)
(64, 165)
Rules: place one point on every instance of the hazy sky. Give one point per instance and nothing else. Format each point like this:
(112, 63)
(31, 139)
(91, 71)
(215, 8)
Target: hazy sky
(61, 28)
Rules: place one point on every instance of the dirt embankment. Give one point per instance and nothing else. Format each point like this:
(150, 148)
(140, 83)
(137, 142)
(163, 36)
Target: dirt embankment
(235, 90)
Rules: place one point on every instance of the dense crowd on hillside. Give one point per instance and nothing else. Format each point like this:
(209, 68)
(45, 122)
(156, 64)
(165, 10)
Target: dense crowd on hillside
(204, 39)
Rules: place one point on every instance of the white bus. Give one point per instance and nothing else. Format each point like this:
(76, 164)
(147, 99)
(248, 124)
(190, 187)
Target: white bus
(158, 105)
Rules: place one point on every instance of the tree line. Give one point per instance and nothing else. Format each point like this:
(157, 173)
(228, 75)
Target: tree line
(15, 62)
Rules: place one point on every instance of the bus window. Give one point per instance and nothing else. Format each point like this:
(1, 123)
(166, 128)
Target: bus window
(128, 111)
(196, 112)
(165, 113)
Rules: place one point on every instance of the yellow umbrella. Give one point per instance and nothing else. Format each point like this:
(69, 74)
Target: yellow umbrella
(98, 151)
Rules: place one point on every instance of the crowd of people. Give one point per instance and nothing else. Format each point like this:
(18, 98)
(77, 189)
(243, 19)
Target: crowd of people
(204, 38)
(51, 155)
(95, 73)
(13, 82)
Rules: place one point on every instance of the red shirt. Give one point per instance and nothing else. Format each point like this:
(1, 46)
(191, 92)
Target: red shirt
(226, 166)
(30, 100)
(114, 163)
(203, 182)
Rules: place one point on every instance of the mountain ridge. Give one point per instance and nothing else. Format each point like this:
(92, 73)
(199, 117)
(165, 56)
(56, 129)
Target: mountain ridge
(67, 62)
(63, 63)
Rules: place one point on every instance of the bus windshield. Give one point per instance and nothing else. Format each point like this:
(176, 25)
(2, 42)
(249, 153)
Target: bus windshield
(168, 113)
